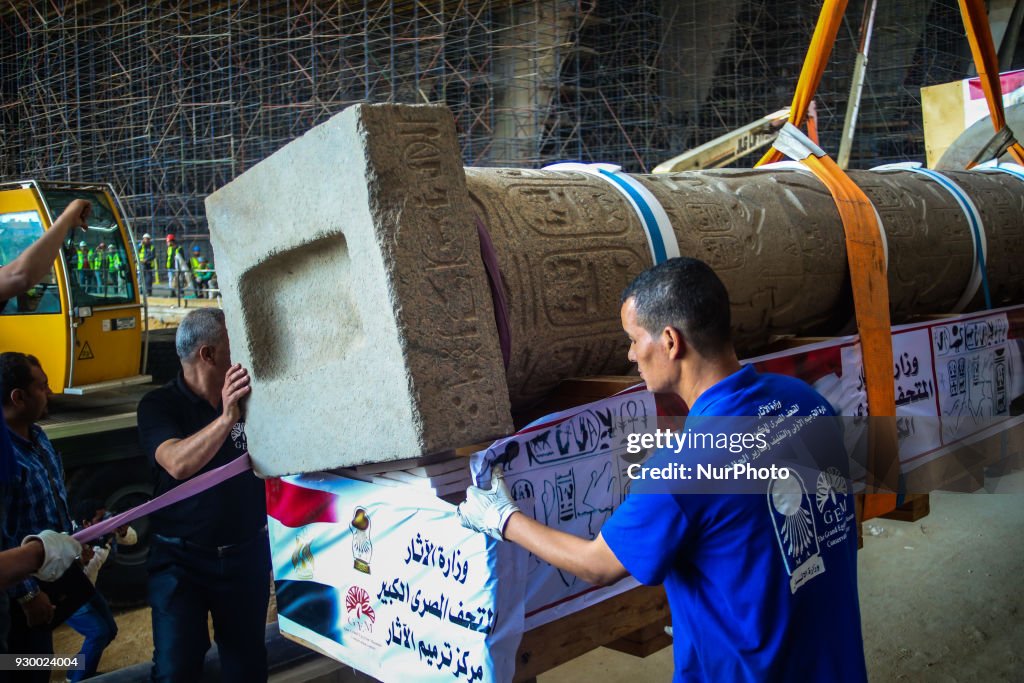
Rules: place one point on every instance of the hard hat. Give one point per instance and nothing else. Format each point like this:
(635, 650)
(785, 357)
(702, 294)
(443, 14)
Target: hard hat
(111, 246)
(82, 244)
(147, 236)
(196, 249)
(170, 238)
(101, 244)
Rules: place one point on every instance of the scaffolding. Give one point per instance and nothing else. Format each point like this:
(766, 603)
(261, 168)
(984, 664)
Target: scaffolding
(169, 101)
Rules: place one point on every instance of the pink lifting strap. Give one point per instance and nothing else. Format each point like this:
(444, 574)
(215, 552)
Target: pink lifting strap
(498, 296)
(178, 493)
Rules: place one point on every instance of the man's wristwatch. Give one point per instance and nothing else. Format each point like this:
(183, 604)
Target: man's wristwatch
(28, 597)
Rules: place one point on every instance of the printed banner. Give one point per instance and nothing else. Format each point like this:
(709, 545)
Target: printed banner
(953, 378)
(570, 474)
(388, 581)
(972, 360)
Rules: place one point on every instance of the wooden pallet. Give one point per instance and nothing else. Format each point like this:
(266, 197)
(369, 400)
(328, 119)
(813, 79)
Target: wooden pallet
(915, 506)
(634, 620)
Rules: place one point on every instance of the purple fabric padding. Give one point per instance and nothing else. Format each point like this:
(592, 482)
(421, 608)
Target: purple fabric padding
(498, 296)
(188, 489)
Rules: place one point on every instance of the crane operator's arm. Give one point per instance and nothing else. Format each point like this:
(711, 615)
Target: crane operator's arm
(31, 265)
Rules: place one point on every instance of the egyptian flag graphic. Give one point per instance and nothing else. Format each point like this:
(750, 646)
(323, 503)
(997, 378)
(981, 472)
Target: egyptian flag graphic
(297, 506)
(313, 605)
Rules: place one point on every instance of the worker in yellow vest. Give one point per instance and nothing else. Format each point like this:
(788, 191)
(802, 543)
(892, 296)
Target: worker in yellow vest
(82, 264)
(147, 260)
(198, 265)
(114, 267)
(176, 266)
(207, 282)
(96, 258)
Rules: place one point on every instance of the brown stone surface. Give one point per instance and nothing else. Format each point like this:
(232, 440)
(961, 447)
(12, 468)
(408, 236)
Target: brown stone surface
(568, 244)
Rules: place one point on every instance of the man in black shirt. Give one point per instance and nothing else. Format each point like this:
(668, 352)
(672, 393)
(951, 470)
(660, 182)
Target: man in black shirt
(210, 552)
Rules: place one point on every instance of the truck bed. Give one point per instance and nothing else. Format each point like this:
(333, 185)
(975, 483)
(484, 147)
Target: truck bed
(91, 414)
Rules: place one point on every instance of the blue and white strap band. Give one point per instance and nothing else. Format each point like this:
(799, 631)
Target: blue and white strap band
(1015, 170)
(660, 237)
(979, 274)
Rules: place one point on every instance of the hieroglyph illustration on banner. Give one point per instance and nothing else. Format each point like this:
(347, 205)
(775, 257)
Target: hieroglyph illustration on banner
(570, 475)
(972, 366)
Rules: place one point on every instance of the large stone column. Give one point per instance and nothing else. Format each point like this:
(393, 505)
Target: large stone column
(569, 243)
(355, 291)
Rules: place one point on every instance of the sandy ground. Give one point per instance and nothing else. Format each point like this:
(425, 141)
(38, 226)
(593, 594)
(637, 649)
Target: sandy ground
(134, 642)
(941, 600)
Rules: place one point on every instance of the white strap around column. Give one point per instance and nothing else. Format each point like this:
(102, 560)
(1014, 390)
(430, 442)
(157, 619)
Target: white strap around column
(660, 237)
(979, 275)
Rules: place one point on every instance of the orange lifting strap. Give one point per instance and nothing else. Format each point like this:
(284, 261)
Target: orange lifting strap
(814, 66)
(865, 254)
(979, 35)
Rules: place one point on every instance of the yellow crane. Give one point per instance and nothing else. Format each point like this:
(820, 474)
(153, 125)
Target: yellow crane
(85, 319)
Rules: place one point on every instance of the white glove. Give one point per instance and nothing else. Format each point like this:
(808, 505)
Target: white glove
(59, 551)
(130, 537)
(99, 556)
(488, 511)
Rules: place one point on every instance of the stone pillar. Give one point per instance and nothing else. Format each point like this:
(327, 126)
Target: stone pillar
(354, 287)
(569, 243)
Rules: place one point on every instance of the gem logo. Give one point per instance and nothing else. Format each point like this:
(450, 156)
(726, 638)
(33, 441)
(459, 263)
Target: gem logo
(238, 436)
(302, 558)
(795, 529)
(357, 606)
(362, 548)
(831, 483)
(831, 497)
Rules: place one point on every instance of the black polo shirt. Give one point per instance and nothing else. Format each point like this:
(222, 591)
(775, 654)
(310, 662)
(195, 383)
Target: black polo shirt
(231, 512)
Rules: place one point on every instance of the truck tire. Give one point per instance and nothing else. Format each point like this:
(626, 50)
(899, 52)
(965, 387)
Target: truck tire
(120, 486)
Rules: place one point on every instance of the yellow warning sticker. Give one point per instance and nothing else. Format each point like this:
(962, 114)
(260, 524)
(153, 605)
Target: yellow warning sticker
(86, 353)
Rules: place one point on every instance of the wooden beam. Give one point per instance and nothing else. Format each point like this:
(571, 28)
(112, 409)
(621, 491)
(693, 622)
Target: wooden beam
(565, 639)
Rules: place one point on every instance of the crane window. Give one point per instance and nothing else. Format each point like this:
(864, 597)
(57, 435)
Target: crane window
(18, 230)
(97, 260)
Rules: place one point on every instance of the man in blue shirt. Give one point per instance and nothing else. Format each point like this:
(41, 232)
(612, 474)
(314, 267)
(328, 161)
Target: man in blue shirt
(53, 551)
(36, 499)
(762, 587)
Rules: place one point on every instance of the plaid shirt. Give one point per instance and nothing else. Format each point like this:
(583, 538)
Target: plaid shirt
(37, 499)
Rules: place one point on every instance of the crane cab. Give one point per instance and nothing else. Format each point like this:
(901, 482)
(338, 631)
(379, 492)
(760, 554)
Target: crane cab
(85, 320)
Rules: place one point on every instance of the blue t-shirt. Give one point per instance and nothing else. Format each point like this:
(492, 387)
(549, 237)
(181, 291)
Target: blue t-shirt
(761, 587)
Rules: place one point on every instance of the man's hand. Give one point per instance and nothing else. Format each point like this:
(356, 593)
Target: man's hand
(236, 388)
(86, 555)
(59, 551)
(488, 511)
(77, 213)
(39, 610)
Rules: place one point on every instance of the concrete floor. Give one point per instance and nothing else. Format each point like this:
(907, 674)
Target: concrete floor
(942, 599)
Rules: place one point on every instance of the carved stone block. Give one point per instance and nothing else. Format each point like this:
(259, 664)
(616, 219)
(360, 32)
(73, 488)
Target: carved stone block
(354, 291)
